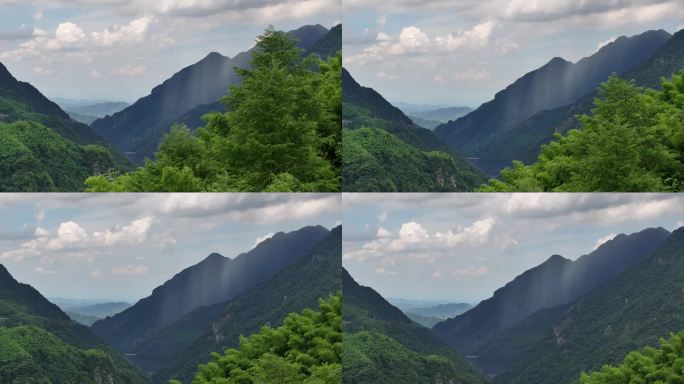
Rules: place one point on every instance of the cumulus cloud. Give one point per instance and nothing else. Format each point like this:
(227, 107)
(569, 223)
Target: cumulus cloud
(71, 236)
(413, 41)
(604, 239)
(414, 240)
(70, 36)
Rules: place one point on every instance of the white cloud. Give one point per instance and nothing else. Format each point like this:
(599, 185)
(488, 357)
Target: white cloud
(385, 272)
(43, 71)
(43, 271)
(385, 76)
(41, 232)
(679, 224)
(472, 75)
(95, 74)
(604, 240)
(414, 41)
(40, 215)
(37, 15)
(134, 233)
(131, 33)
(382, 232)
(96, 273)
(130, 270)
(604, 43)
(414, 240)
(129, 70)
(471, 271)
(437, 274)
(382, 216)
(68, 234)
(260, 239)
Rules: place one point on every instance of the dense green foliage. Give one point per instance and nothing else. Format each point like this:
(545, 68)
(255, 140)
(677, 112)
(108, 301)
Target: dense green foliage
(658, 366)
(305, 349)
(632, 141)
(384, 151)
(32, 355)
(41, 148)
(36, 158)
(603, 326)
(382, 345)
(371, 155)
(40, 344)
(281, 133)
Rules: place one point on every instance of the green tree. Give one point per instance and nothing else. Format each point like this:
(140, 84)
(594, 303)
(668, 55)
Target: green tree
(282, 132)
(632, 141)
(305, 349)
(664, 365)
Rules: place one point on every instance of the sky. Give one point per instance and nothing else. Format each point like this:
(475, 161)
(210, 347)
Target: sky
(462, 247)
(461, 52)
(121, 49)
(121, 246)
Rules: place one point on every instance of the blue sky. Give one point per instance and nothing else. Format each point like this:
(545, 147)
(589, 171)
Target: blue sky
(121, 246)
(461, 52)
(462, 247)
(121, 49)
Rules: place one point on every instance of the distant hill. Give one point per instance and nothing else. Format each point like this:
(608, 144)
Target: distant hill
(89, 314)
(555, 282)
(385, 151)
(382, 346)
(41, 148)
(214, 280)
(175, 351)
(40, 343)
(88, 113)
(443, 311)
(556, 84)
(137, 130)
(640, 306)
(432, 118)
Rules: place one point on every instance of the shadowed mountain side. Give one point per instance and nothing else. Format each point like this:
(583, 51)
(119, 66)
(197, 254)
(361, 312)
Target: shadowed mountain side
(555, 282)
(175, 351)
(558, 83)
(215, 279)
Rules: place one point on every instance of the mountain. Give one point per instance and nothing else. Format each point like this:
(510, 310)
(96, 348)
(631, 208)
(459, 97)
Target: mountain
(381, 345)
(176, 350)
(441, 310)
(215, 279)
(425, 321)
(41, 148)
(556, 84)
(432, 118)
(89, 314)
(41, 344)
(137, 130)
(633, 311)
(555, 282)
(385, 151)
(523, 141)
(329, 45)
(86, 114)
(99, 109)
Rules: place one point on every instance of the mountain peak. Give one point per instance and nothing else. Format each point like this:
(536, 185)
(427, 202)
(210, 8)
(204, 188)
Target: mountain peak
(216, 257)
(556, 259)
(4, 72)
(4, 273)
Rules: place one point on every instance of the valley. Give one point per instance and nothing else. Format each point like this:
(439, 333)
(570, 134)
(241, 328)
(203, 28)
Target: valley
(562, 320)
